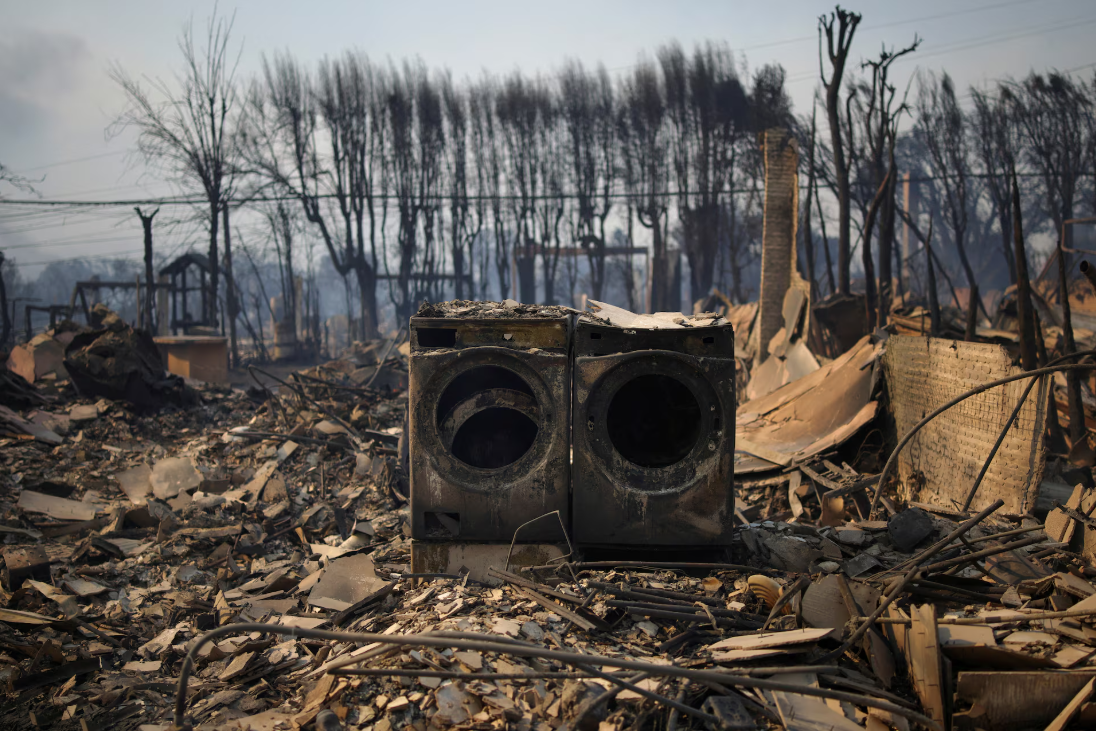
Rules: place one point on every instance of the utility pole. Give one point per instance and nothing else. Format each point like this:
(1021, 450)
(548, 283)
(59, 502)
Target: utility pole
(147, 320)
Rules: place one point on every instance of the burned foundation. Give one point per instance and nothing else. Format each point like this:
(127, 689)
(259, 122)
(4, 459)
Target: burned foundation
(653, 435)
(490, 408)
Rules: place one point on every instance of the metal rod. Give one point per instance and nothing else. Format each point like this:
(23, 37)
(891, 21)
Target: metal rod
(914, 571)
(496, 644)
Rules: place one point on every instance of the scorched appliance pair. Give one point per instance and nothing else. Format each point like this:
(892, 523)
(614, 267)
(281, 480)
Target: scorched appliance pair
(628, 433)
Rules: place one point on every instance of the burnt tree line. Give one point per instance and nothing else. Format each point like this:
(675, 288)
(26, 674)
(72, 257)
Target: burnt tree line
(433, 186)
(415, 186)
(419, 187)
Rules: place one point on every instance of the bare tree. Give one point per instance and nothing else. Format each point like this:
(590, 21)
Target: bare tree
(550, 206)
(323, 144)
(523, 109)
(491, 144)
(466, 216)
(942, 127)
(487, 162)
(1054, 116)
(148, 321)
(880, 118)
(21, 183)
(416, 149)
(992, 131)
(349, 97)
(282, 227)
(1025, 311)
(808, 142)
(5, 318)
(588, 105)
(708, 110)
(187, 127)
(642, 128)
(837, 51)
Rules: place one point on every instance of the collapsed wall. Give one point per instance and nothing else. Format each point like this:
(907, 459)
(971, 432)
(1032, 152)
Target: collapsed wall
(942, 461)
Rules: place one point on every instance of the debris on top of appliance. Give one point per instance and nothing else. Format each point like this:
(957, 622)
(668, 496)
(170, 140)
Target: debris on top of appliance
(612, 315)
(509, 309)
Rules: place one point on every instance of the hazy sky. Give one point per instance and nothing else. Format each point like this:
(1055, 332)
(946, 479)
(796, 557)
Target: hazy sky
(56, 99)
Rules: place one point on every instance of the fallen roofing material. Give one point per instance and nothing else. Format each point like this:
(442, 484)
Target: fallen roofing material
(807, 416)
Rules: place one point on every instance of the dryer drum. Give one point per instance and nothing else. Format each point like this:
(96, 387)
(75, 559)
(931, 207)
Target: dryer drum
(488, 427)
(653, 436)
(653, 421)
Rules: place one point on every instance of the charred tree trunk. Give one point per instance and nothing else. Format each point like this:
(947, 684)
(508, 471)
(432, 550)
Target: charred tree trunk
(210, 315)
(1077, 430)
(838, 52)
(886, 241)
(1025, 314)
(825, 239)
(934, 299)
(972, 313)
(5, 319)
(865, 250)
(231, 301)
(808, 237)
(702, 263)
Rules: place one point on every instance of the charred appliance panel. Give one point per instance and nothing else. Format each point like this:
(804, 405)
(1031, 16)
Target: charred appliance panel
(653, 434)
(489, 422)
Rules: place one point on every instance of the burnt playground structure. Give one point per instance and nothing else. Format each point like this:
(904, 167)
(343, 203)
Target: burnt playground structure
(539, 430)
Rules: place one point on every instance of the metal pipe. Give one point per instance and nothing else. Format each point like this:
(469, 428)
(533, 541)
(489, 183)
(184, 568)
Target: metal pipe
(496, 644)
(914, 571)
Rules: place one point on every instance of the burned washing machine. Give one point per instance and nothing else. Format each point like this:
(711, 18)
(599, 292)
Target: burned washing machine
(489, 423)
(653, 435)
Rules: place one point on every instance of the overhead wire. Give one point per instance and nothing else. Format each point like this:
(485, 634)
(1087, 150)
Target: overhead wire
(47, 166)
(893, 24)
(120, 255)
(1003, 36)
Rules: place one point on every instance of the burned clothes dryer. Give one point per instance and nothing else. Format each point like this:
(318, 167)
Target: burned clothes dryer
(653, 434)
(489, 421)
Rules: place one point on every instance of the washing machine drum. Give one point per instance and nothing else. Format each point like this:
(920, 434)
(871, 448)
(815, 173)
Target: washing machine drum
(489, 443)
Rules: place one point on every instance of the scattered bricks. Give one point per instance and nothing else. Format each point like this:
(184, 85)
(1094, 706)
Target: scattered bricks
(25, 563)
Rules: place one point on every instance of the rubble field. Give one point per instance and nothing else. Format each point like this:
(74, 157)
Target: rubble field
(241, 559)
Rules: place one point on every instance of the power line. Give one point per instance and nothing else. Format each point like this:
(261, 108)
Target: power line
(922, 19)
(72, 162)
(1003, 36)
(445, 198)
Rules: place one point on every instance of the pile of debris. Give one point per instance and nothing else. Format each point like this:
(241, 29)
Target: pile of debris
(122, 363)
(278, 518)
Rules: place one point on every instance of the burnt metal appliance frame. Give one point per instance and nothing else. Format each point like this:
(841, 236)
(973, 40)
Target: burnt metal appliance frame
(689, 503)
(491, 502)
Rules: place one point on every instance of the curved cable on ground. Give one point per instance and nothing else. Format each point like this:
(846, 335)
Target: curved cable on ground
(1008, 424)
(487, 643)
(958, 399)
